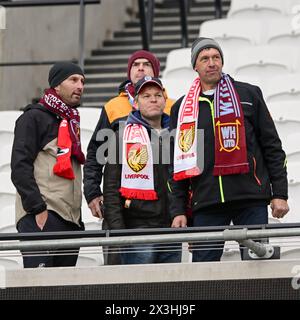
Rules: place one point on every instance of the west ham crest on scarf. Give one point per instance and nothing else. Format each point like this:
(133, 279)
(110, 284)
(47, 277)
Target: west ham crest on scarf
(186, 136)
(228, 135)
(137, 156)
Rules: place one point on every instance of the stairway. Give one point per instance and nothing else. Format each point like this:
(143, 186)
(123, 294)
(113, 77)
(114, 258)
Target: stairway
(107, 67)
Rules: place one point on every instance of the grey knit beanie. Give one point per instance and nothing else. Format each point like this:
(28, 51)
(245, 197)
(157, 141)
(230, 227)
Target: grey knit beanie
(204, 43)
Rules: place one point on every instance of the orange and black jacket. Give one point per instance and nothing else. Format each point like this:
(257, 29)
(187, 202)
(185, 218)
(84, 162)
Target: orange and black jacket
(114, 111)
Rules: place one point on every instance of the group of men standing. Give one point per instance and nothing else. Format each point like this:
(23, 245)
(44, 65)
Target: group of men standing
(244, 167)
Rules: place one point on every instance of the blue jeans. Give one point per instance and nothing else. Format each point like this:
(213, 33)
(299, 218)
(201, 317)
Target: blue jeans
(151, 253)
(212, 251)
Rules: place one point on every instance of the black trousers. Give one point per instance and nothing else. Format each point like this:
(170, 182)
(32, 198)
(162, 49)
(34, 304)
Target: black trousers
(51, 258)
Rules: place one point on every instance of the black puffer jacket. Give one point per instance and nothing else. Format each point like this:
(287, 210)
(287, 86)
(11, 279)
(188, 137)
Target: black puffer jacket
(141, 213)
(267, 177)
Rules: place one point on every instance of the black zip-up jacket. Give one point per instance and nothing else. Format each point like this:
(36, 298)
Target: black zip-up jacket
(141, 213)
(33, 157)
(115, 111)
(267, 178)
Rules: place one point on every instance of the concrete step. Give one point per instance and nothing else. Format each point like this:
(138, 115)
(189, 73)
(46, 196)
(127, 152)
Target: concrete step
(122, 68)
(172, 21)
(128, 50)
(163, 32)
(104, 60)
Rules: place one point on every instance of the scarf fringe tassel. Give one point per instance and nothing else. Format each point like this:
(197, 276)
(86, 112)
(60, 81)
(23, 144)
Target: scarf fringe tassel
(138, 194)
(190, 173)
(63, 168)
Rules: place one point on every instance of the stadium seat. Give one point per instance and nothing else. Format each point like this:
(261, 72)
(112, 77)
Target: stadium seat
(7, 219)
(10, 263)
(233, 33)
(258, 9)
(283, 32)
(283, 88)
(264, 62)
(88, 120)
(178, 66)
(7, 190)
(286, 115)
(8, 119)
(176, 88)
(5, 158)
(291, 147)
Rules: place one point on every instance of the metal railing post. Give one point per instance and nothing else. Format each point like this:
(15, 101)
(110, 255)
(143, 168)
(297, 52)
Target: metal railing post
(143, 20)
(218, 9)
(183, 5)
(81, 33)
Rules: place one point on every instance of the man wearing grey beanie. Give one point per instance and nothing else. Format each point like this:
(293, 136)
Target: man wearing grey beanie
(244, 167)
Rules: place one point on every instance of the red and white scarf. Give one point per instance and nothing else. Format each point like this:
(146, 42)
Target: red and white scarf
(230, 139)
(137, 180)
(68, 140)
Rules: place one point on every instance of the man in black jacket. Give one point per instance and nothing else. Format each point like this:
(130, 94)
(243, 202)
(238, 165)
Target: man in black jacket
(141, 63)
(45, 163)
(135, 189)
(244, 164)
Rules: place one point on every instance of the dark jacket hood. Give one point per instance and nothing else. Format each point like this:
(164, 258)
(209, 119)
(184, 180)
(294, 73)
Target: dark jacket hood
(136, 118)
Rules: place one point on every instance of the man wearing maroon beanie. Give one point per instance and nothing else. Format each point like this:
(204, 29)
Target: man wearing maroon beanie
(140, 64)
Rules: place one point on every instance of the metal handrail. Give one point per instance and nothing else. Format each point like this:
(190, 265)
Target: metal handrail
(135, 232)
(226, 235)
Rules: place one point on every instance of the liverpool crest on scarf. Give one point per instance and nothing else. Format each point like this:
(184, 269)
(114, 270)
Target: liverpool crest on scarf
(137, 180)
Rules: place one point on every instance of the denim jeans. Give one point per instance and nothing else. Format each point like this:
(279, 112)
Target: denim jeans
(212, 251)
(151, 253)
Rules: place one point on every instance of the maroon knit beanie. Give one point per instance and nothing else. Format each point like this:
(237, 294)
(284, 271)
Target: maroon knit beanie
(145, 55)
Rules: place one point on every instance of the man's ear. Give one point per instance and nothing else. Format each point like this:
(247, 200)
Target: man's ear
(165, 94)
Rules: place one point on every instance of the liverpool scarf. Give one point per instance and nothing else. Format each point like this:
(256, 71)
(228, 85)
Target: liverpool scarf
(230, 139)
(137, 181)
(68, 140)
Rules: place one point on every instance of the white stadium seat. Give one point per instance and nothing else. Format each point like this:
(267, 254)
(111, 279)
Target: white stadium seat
(283, 88)
(283, 32)
(89, 118)
(178, 65)
(233, 33)
(263, 9)
(264, 61)
(286, 115)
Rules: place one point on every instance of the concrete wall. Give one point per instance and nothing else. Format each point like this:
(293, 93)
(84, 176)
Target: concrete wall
(49, 33)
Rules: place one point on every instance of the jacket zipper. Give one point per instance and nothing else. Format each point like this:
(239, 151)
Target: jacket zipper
(254, 172)
(211, 105)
